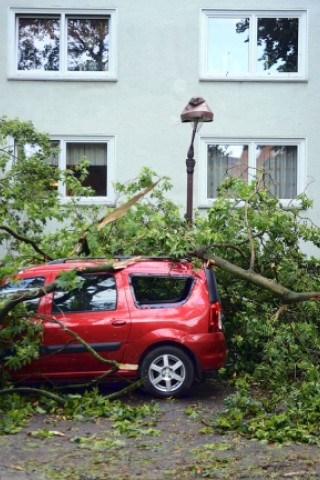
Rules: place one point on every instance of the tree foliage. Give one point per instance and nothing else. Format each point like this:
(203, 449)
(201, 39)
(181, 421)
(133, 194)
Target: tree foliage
(269, 286)
(274, 333)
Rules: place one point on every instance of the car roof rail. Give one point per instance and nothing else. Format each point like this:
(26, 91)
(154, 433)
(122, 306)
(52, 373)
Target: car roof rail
(74, 259)
(59, 261)
(127, 257)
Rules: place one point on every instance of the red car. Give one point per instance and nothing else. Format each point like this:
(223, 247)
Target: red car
(160, 315)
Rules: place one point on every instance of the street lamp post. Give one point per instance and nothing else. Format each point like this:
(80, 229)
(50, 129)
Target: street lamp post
(197, 111)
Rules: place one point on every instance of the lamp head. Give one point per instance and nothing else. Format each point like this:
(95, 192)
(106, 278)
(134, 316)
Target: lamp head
(197, 110)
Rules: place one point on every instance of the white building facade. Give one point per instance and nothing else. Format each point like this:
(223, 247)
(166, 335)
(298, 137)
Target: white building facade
(109, 78)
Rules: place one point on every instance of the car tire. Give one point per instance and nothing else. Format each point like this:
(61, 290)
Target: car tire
(168, 372)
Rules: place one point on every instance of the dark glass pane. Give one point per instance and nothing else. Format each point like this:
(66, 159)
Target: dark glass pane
(280, 165)
(96, 154)
(150, 290)
(224, 161)
(38, 43)
(277, 44)
(88, 44)
(95, 293)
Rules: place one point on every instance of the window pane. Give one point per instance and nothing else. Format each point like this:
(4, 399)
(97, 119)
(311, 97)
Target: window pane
(224, 161)
(53, 160)
(88, 44)
(281, 166)
(96, 154)
(96, 293)
(30, 149)
(38, 47)
(277, 44)
(228, 45)
(23, 285)
(150, 290)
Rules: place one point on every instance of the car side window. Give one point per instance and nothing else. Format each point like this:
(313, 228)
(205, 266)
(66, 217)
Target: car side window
(23, 285)
(93, 294)
(152, 290)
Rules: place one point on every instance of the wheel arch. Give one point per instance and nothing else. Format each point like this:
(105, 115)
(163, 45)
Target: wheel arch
(193, 358)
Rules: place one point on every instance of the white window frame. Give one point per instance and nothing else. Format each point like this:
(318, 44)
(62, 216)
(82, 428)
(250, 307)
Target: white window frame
(63, 73)
(252, 75)
(109, 199)
(205, 202)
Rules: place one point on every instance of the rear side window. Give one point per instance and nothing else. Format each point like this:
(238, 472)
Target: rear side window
(158, 291)
(23, 285)
(94, 293)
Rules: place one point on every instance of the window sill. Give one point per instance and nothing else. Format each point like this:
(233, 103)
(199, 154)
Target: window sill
(64, 78)
(103, 201)
(207, 78)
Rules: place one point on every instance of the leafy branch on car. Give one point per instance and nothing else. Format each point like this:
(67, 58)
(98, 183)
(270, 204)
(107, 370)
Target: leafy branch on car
(285, 295)
(15, 299)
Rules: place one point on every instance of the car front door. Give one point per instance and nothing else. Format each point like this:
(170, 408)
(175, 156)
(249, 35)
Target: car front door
(96, 312)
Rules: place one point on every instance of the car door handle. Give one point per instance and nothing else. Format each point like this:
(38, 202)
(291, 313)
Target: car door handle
(118, 323)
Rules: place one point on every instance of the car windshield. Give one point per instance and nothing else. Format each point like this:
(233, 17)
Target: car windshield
(22, 285)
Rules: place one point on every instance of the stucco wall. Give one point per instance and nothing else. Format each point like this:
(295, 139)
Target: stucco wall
(157, 73)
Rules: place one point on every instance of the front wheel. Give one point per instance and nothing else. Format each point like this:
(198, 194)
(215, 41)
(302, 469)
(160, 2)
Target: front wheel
(169, 372)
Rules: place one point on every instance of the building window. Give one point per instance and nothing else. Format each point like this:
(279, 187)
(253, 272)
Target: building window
(68, 44)
(266, 45)
(281, 162)
(96, 154)
(99, 152)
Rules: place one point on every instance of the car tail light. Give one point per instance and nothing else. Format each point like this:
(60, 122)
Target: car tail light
(215, 317)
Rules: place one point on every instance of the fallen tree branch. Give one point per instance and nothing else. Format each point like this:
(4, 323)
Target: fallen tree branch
(17, 298)
(37, 391)
(26, 240)
(126, 390)
(117, 366)
(286, 295)
(91, 383)
(232, 246)
(82, 244)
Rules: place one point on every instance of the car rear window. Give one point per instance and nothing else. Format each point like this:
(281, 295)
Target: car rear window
(95, 293)
(151, 290)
